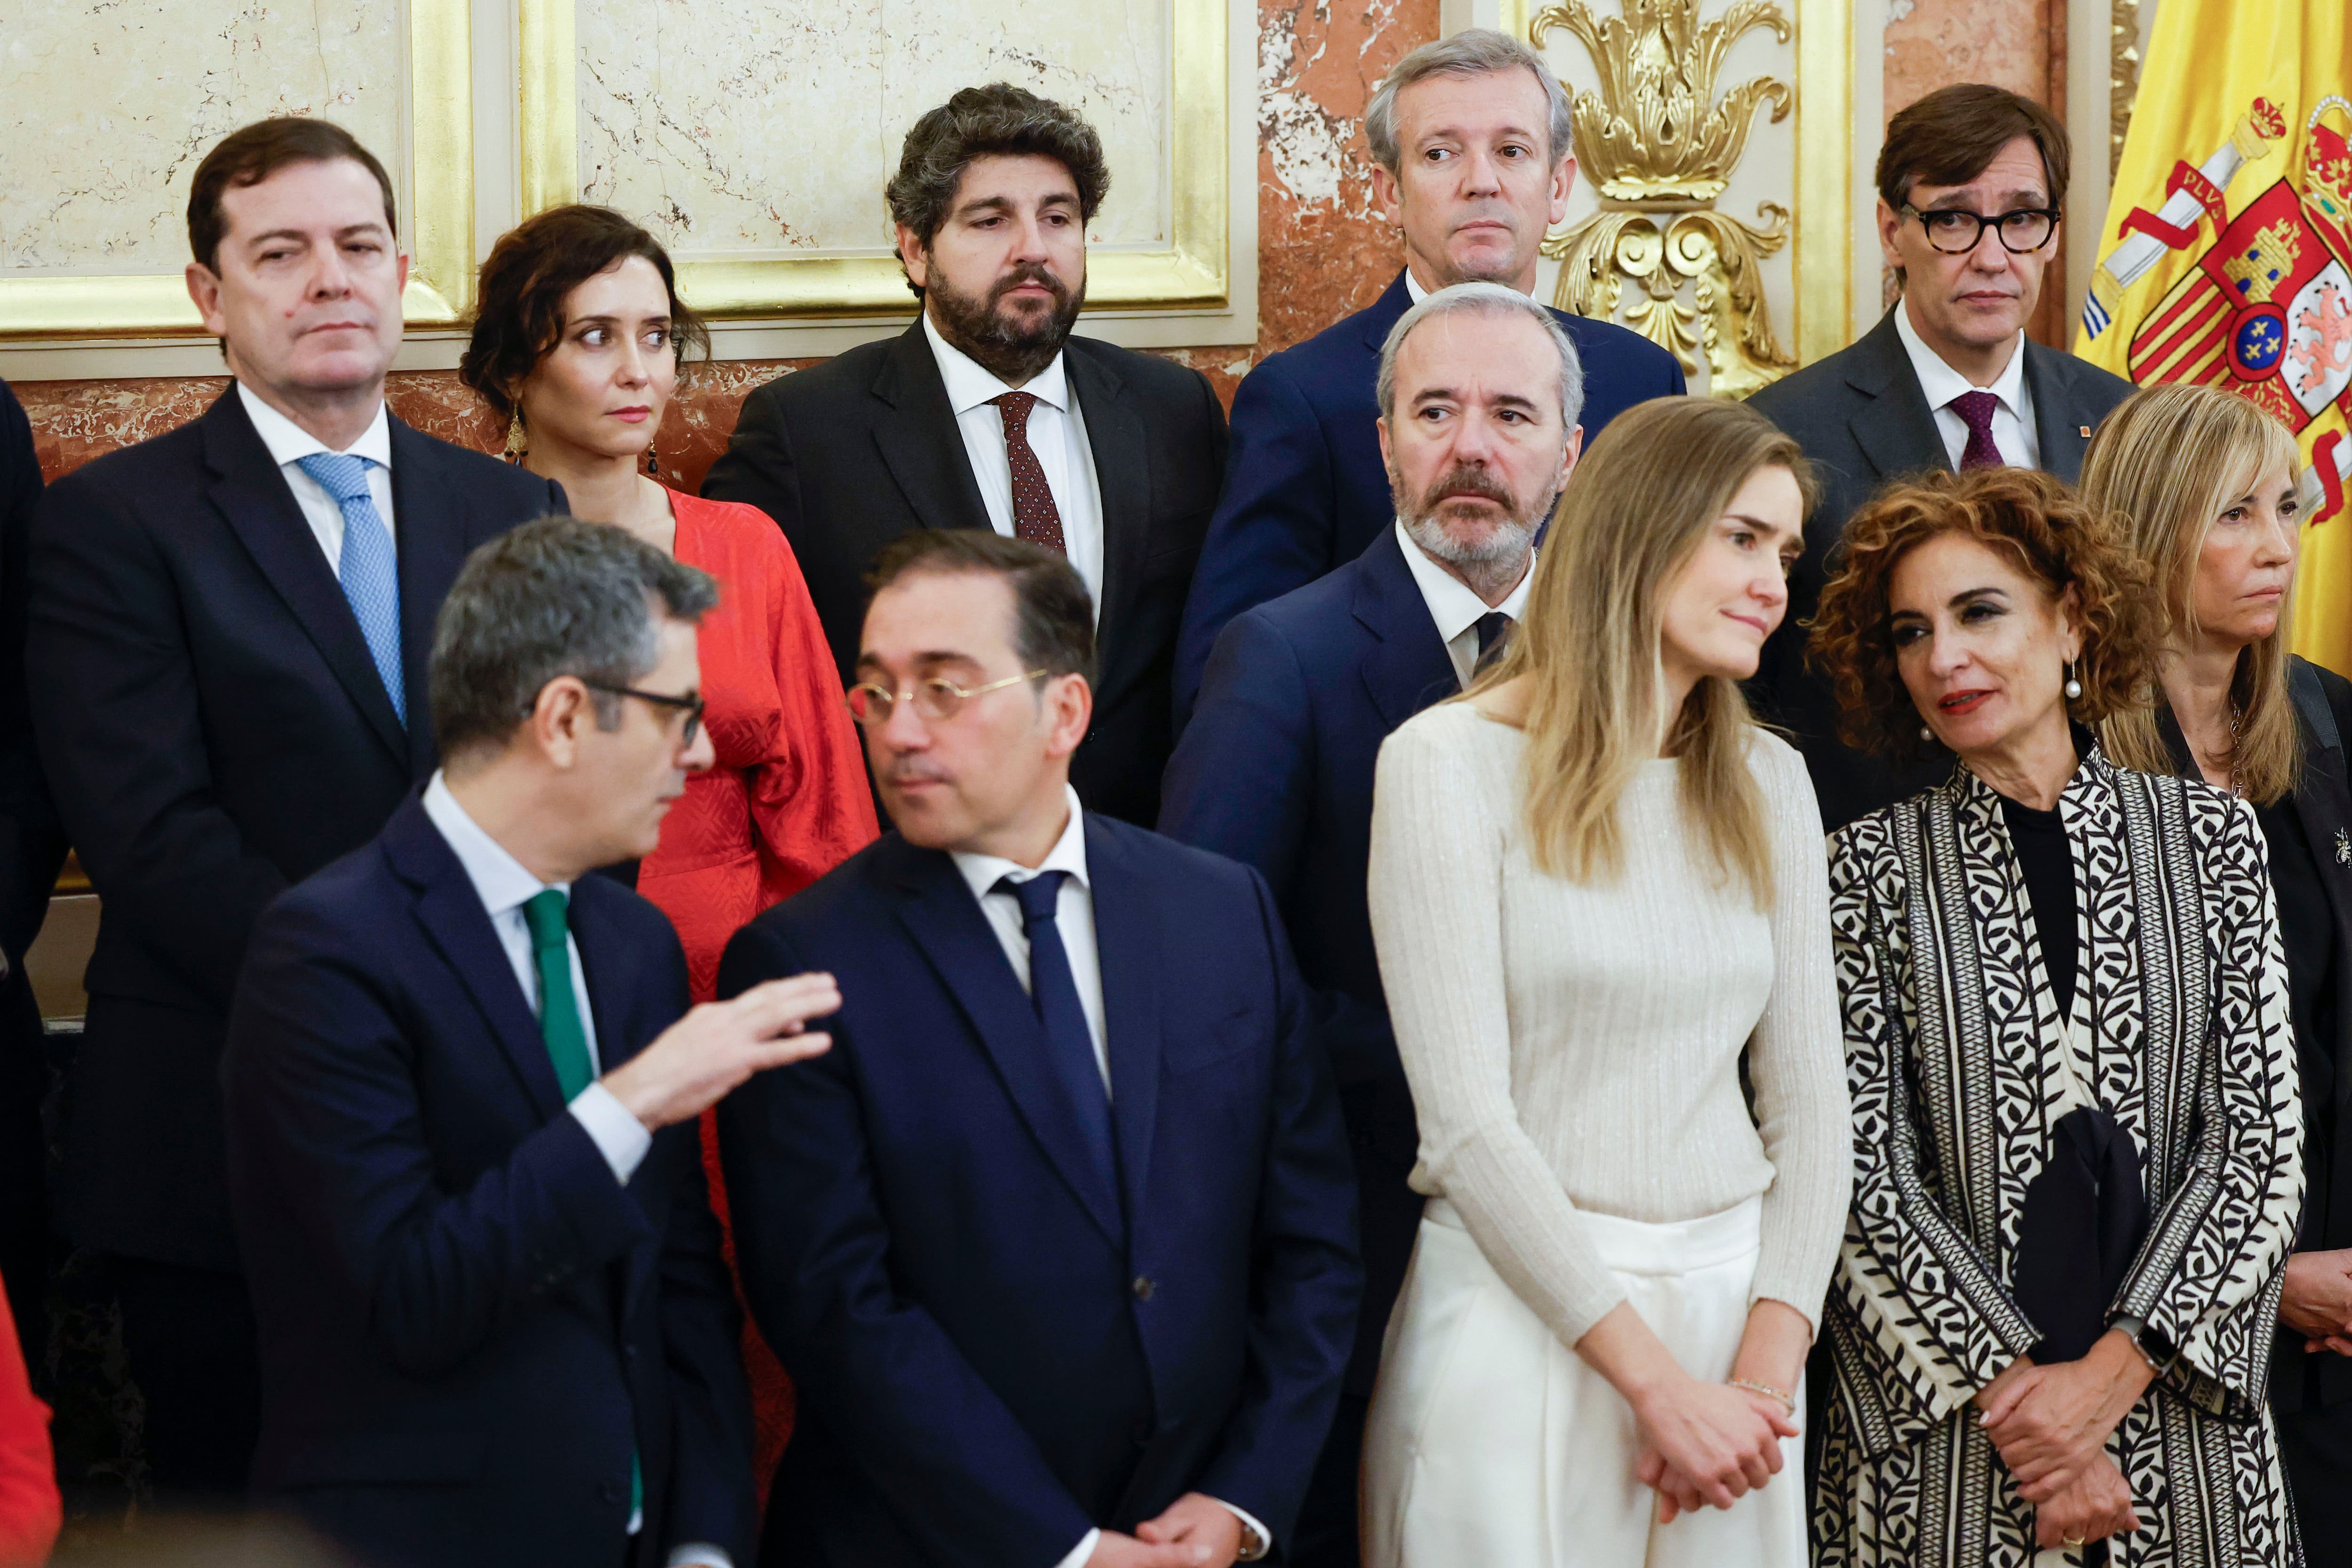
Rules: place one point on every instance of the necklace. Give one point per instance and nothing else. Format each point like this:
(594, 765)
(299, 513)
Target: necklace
(2237, 783)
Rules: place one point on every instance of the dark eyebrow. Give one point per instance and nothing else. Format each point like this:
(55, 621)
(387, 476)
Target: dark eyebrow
(1795, 536)
(609, 319)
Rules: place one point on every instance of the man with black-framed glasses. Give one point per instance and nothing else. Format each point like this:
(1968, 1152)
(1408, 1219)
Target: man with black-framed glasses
(1971, 181)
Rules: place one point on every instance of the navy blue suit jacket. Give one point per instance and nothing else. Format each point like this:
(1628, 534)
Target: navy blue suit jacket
(466, 1326)
(1305, 487)
(1275, 770)
(994, 1351)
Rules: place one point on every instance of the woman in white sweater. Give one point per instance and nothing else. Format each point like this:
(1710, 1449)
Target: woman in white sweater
(1599, 892)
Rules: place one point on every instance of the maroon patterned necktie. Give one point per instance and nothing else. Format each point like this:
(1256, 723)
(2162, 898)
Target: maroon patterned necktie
(1977, 407)
(1035, 518)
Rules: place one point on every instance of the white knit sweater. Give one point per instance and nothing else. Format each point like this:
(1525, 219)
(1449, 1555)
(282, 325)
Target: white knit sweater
(1578, 1046)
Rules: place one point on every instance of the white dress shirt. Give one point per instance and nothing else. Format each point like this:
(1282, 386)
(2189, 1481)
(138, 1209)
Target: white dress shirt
(504, 885)
(1453, 606)
(289, 444)
(1057, 434)
(1073, 916)
(2013, 420)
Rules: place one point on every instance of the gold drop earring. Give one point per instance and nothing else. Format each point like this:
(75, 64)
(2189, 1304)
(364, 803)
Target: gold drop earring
(518, 441)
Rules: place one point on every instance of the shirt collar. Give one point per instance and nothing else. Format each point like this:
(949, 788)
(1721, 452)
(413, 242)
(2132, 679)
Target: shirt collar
(1452, 605)
(1412, 289)
(502, 882)
(969, 385)
(981, 872)
(1941, 383)
(290, 443)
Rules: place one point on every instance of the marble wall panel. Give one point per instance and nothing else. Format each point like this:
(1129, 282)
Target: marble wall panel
(94, 178)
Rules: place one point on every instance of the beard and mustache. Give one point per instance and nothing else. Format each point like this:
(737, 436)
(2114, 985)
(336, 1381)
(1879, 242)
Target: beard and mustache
(1506, 543)
(1011, 348)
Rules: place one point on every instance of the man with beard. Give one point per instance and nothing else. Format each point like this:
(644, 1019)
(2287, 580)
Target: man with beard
(1479, 392)
(1470, 137)
(987, 413)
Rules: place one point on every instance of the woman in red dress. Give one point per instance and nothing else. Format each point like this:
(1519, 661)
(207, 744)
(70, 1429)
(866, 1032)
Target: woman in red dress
(577, 340)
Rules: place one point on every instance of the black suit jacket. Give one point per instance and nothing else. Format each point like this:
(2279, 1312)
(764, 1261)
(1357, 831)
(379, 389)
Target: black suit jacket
(468, 1326)
(1275, 770)
(1860, 417)
(214, 731)
(851, 454)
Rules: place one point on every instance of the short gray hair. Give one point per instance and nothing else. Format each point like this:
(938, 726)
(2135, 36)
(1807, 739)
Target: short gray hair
(1473, 51)
(558, 597)
(1485, 299)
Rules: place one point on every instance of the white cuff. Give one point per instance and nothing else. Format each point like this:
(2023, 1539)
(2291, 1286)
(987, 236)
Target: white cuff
(700, 1555)
(620, 1137)
(1256, 1539)
(1081, 1552)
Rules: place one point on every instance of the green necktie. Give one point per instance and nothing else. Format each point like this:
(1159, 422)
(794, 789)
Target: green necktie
(559, 1007)
(547, 913)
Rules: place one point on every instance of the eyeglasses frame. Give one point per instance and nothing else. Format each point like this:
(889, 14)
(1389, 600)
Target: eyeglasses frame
(848, 698)
(692, 704)
(1983, 223)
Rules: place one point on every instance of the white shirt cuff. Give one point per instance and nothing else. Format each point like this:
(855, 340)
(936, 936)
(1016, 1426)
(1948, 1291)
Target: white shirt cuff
(620, 1137)
(700, 1555)
(1081, 1552)
(1252, 1550)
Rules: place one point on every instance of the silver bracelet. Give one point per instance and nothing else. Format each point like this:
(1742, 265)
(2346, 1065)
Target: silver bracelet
(1788, 1400)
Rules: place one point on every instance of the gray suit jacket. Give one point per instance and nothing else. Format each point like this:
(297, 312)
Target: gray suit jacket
(1860, 417)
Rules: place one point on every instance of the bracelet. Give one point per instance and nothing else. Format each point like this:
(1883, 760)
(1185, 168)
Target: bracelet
(1788, 1400)
(2153, 1369)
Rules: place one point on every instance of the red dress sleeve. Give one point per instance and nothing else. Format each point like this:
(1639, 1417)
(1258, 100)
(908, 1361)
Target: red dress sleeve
(30, 1509)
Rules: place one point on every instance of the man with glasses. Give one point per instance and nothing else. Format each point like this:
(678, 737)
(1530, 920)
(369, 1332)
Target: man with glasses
(1970, 184)
(1058, 1241)
(462, 1087)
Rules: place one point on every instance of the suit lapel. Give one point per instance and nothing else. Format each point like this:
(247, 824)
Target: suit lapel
(1127, 938)
(428, 520)
(1896, 430)
(1408, 668)
(1115, 437)
(2324, 802)
(2058, 433)
(939, 910)
(919, 440)
(252, 494)
(1385, 312)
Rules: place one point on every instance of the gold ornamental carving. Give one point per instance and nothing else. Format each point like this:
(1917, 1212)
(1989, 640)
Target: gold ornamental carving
(1659, 147)
(2123, 76)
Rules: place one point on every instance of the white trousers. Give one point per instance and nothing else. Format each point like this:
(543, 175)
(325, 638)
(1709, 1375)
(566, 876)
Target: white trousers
(1492, 1445)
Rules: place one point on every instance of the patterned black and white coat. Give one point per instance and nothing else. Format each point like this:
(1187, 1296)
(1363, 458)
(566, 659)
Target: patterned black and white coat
(1959, 1067)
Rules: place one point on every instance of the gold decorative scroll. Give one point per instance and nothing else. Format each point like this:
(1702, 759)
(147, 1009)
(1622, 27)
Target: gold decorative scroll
(1659, 147)
(2123, 76)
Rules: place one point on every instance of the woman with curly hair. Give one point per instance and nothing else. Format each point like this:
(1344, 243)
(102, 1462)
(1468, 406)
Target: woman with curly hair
(2077, 1137)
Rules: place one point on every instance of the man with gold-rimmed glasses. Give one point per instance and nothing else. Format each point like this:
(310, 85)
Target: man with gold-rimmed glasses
(1059, 1243)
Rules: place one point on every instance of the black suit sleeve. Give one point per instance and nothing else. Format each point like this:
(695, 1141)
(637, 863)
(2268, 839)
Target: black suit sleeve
(758, 467)
(122, 738)
(1307, 1276)
(32, 841)
(956, 1468)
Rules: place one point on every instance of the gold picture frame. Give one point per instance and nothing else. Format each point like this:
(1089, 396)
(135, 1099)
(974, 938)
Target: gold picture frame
(1191, 274)
(439, 120)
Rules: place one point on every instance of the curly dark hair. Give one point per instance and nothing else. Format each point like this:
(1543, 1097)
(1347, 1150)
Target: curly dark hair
(533, 270)
(2036, 520)
(999, 119)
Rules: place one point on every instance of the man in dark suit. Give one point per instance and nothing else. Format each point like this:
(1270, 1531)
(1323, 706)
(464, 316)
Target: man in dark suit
(229, 627)
(32, 848)
(987, 414)
(1276, 768)
(1059, 1240)
(1970, 183)
(1471, 135)
(462, 1087)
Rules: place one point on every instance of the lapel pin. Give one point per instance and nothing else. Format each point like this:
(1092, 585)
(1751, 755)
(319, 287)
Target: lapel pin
(2084, 431)
(2343, 848)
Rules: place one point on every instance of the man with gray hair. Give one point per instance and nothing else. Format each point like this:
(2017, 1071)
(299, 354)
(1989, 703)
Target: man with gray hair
(462, 1087)
(1480, 391)
(1471, 138)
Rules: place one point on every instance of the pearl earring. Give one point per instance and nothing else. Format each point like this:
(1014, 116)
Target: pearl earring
(2074, 688)
(1926, 733)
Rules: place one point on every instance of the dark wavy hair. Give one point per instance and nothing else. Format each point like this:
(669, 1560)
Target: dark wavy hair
(533, 270)
(999, 119)
(2037, 523)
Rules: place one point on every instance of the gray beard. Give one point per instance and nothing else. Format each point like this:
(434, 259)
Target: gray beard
(1491, 568)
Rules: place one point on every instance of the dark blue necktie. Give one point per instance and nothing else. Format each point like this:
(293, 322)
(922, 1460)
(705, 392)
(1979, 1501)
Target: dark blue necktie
(1494, 637)
(1069, 1043)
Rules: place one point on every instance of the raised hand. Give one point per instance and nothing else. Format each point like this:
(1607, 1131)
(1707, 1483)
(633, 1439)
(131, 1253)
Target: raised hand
(697, 1062)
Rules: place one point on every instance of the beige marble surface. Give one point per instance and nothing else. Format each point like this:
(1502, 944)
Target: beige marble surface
(767, 128)
(106, 106)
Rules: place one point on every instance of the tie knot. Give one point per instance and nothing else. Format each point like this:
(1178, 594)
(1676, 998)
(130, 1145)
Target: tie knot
(1977, 408)
(339, 474)
(547, 913)
(1014, 407)
(1036, 895)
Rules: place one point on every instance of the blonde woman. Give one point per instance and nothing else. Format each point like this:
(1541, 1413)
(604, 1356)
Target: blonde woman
(1596, 886)
(2202, 484)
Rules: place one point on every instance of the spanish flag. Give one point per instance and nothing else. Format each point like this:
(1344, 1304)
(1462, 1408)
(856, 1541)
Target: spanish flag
(2227, 253)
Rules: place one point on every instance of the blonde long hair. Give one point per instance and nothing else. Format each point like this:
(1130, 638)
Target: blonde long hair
(1635, 510)
(2164, 465)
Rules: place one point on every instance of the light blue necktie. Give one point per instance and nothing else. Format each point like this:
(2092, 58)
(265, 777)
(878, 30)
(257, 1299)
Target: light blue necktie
(371, 580)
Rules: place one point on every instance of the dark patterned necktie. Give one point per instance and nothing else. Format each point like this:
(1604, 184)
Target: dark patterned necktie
(1035, 518)
(1494, 635)
(1070, 1044)
(1977, 407)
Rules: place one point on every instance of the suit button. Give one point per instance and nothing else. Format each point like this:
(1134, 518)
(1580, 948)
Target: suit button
(1142, 1289)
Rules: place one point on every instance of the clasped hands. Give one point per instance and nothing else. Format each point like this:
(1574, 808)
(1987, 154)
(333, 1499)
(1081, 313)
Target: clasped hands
(2317, 1302)
(1196, 1531)
(2051, 1424)
(1707, 1444)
